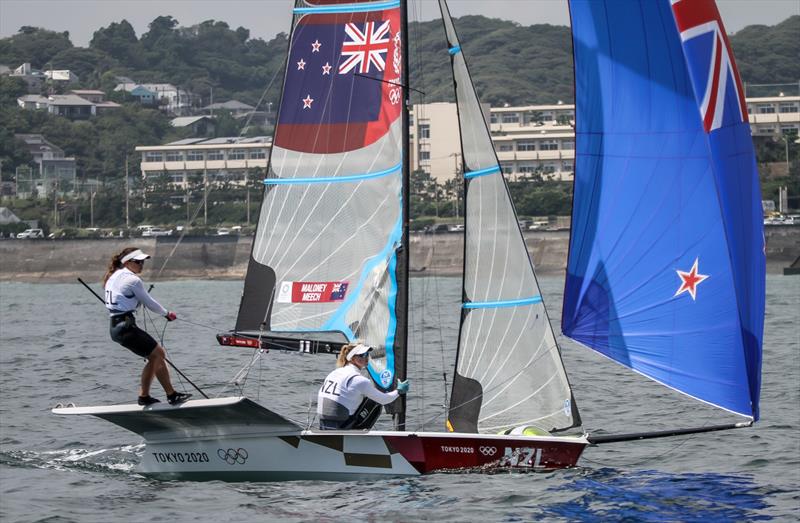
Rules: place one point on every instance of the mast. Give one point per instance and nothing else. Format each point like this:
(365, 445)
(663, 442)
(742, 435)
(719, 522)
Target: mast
(405, 252)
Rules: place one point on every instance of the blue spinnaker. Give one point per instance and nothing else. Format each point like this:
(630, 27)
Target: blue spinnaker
(666, 268)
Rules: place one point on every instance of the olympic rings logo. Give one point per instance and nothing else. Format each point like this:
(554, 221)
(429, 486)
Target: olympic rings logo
(488, 451)
(232, 456)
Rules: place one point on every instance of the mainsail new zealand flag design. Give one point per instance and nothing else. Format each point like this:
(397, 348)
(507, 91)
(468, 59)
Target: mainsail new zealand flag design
(342, 87)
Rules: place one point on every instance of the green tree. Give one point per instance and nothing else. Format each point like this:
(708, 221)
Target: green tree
(34, 45)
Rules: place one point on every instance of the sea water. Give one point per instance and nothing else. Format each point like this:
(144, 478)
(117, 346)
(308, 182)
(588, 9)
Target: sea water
(55, 349)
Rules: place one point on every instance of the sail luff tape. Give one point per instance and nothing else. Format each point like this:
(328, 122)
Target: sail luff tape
(347, 8)
(504, 303)
(482, 172)
(334, 179)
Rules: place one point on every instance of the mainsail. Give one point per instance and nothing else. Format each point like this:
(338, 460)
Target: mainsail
(325, 264)
(508, 370)
(666, 267)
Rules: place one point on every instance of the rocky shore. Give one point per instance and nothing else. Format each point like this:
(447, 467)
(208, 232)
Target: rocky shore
(225, 257)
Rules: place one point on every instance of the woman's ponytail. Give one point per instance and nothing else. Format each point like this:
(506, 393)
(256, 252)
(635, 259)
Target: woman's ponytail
(341, 361)
(116, 263)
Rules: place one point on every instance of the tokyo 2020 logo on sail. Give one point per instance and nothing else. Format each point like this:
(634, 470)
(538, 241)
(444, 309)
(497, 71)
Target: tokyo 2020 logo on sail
(233, 456)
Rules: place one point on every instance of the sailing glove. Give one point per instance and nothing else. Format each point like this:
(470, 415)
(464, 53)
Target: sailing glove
(171, 316)
(402, 387)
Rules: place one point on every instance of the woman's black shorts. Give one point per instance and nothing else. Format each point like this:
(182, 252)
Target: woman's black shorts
(125, 332)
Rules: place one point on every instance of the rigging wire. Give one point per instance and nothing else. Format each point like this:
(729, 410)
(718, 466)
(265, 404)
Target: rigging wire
(208, 190)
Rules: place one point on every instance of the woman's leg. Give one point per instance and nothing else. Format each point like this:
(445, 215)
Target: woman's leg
(156, 367)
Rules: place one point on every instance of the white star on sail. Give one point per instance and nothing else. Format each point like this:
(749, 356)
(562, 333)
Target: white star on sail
(301, 65)
(307, 101)
(315, 46)
(326, 69)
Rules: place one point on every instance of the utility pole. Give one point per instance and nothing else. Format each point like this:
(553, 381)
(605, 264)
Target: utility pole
(55, 201)
(205, 198)
(127, 195)
(247, 200)
(91, 209)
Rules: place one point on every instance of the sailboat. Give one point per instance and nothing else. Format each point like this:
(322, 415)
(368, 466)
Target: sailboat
(330, 260)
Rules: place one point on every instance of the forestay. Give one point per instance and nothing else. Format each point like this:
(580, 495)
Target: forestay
(509, 371)
(325, 257)
(666, 266)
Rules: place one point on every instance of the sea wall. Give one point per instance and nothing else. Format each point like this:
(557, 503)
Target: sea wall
(225, 257)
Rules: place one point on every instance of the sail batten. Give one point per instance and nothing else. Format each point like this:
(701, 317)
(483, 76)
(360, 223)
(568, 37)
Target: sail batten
(508, 366)
(666, 266)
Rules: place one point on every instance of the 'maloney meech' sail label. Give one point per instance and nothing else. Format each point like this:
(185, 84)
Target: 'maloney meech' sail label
(330, 227)
(509, 372)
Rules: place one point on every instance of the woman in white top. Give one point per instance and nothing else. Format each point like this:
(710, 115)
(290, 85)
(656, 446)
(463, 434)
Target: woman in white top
(124, 291)
(345, 388)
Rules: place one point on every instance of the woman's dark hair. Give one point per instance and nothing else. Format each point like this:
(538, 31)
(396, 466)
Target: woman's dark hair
(116, 263)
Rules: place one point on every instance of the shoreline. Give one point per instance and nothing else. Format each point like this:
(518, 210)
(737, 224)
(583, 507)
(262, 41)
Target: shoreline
(226, 257)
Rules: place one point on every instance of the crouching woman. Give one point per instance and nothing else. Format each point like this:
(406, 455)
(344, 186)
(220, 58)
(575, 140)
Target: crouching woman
(347, 398)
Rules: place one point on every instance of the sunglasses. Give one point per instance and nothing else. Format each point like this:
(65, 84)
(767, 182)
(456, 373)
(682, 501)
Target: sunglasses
(138, 262)
(365, 355)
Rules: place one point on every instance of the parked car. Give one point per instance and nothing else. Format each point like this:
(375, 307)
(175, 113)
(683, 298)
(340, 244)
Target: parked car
(31, 234)
(538, 226)
(458, 227)
(156, 231)
(223, 231)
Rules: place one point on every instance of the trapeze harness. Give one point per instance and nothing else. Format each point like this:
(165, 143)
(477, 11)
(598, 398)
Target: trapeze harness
(348, 400)
(124, 291)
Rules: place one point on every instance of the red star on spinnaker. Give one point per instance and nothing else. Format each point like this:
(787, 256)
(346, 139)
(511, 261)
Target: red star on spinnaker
(690, 280)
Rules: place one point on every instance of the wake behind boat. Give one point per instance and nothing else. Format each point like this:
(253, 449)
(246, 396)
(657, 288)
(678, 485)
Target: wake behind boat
(330, 257)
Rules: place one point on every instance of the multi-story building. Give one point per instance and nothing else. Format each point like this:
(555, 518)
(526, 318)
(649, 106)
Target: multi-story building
(540, 139)
(774, 115)
(218, 160)
(435, 143)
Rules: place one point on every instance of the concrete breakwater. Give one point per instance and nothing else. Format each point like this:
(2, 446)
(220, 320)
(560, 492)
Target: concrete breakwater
(226, 257)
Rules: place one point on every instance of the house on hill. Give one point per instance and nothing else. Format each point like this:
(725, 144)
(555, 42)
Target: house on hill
(51, 169)
(235, 107)
(199, 125)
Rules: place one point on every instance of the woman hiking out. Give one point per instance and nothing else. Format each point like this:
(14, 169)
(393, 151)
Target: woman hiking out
(124, 291)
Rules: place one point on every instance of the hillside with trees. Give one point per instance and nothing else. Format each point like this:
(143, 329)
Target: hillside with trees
(509, 63)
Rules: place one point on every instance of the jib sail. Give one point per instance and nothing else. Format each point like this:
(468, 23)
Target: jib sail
(508, 370)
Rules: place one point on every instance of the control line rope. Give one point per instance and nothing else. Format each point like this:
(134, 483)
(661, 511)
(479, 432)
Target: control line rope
(165, 359)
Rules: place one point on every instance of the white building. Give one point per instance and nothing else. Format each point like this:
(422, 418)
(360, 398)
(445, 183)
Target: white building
(217, 160)
(540, 139)
(172, 99)
(774, 115)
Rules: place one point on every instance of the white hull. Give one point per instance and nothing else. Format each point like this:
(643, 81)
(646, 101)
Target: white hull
(234, 439)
